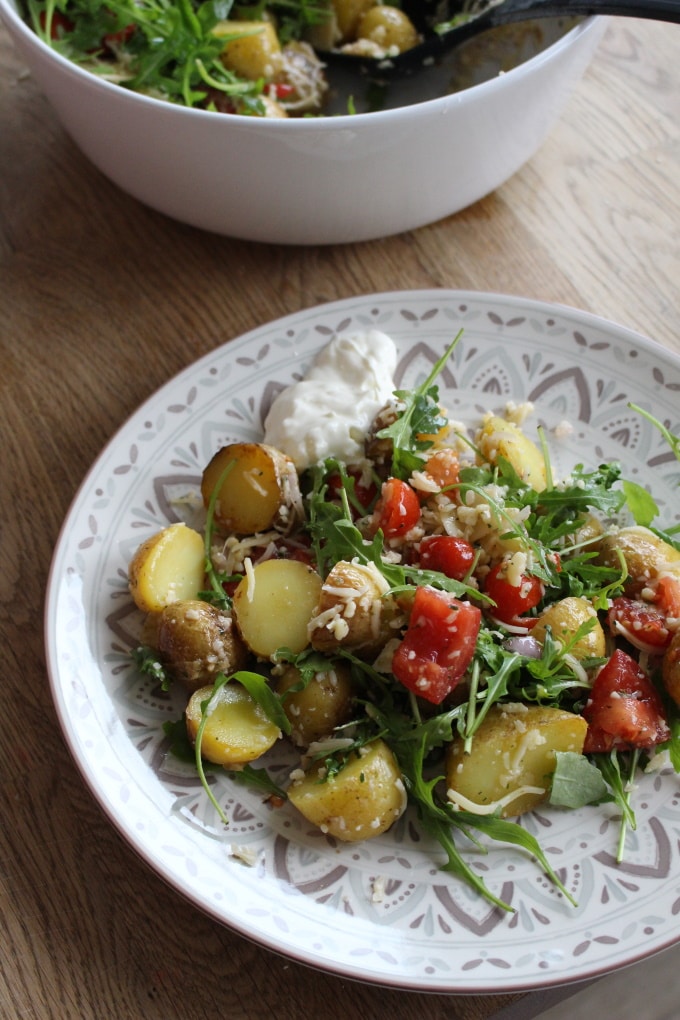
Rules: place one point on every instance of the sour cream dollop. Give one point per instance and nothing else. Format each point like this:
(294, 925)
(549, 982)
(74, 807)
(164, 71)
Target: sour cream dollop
(328, 413)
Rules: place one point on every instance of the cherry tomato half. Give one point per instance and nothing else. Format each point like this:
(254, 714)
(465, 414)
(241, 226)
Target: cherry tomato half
(668, 595)
(397, 510)
(639, 621)
(448, 554)
(512, 600)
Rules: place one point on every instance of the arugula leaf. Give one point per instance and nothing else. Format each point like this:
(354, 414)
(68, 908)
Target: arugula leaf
(420, 417)
(618, 769)
(180, 745)
(173, 50)
(577, 781)
(640, 503)
(258, 779)
(672, 440)
(217, 595)
(259, 690)
(146, 660)
(547, 678)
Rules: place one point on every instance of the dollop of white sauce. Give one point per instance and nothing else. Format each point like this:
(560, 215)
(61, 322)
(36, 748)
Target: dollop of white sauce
(328, 413)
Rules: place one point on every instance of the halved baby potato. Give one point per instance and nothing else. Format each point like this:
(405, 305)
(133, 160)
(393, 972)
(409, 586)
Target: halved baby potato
(512, 758)
(273, 605)
(167, 567)
(260, 491)
(501, 438)
(236, 732)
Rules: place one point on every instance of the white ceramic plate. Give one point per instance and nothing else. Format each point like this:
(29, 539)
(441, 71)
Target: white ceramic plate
(381, 911)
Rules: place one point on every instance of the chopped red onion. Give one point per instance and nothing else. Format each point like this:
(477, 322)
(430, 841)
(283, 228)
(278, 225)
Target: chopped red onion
(525, 645)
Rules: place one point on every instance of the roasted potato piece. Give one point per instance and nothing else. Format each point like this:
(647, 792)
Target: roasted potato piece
(388, 27)
(564, 618)
(195, 641)
(646, 556)
(254, 53)
(168, 567)
(260, 492)
(670, 668)
(315, 710)
(352, 612)
(273, 605)
(588, 532)
(237, 730)
(348, 13)
(501, 438)
(512, 758)
(361, 801)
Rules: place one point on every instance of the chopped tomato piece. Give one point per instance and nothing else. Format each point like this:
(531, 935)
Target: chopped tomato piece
(668, 596)
(448, 554)
(624, 710)
(642, 623)
(397, 510)
(438, 645)
(512, 600)
(282, 90)
(443, 468)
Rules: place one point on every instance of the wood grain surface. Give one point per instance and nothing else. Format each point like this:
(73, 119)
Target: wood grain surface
(101, 300)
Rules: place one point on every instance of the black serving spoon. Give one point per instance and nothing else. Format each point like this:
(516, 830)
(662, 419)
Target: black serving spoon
(426, 14)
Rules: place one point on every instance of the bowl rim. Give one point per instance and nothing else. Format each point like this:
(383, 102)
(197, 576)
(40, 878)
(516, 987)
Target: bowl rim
(12, 18)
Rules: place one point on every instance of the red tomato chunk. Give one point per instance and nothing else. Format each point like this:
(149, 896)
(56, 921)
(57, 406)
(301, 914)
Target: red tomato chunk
(397, 510)
(448, 554)
(668, 596)
(624, 710)
(438, 645)
(512, 600)
(639, 621)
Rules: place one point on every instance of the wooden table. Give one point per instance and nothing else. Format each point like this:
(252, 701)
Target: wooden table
(101, 300)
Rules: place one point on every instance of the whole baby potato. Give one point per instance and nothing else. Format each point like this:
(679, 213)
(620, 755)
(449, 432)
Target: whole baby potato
(564, 618)
(348, 14)
(501, 438)
(237, 730)
(360, 802)
(645, 555)
(260, 490)
(315, 710)
(252, 49)
(167, 567)
(352, 611)
(587, 533)
(389, 28)
(195, 641)
(512, 758)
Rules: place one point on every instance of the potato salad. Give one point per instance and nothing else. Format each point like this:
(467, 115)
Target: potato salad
(262, 59)
(432, 620)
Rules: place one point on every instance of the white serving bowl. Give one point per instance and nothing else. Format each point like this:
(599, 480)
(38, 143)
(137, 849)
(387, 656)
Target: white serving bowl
(323, 180)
